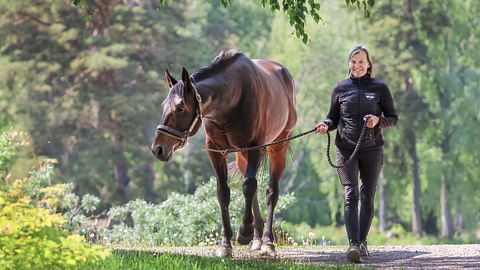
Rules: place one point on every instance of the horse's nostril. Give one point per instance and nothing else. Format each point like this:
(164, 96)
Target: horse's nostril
(157, 151)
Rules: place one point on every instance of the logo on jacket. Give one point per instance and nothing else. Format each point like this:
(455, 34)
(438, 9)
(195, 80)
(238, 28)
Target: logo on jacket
(370, 96)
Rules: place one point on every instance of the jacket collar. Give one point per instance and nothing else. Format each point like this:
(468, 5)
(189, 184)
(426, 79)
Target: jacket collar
(365, 78)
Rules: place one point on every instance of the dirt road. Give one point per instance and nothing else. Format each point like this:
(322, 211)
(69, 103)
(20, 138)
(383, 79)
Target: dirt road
(382, 257)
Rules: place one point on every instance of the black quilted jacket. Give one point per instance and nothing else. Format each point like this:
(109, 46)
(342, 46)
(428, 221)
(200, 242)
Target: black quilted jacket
(352, 99)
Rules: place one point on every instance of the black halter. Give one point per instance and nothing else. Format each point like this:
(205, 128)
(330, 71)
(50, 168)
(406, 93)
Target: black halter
(183, 135)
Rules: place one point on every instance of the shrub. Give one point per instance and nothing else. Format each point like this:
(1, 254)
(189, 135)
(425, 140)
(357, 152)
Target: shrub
(9, 141)
(33, 233)
(32, 238)
(182, 219)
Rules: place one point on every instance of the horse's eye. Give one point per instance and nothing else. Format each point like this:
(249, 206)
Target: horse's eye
(180, 108)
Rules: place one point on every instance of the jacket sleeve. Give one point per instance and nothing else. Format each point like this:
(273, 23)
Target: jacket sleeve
(333, 115)
(390, 116)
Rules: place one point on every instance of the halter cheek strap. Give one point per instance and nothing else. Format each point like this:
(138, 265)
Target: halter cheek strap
(183, 135)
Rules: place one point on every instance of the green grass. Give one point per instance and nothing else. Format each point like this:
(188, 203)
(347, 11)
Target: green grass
(138, 260)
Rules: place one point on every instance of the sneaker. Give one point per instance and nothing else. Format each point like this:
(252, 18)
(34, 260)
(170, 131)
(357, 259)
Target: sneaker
(353, 253)
(363, 249)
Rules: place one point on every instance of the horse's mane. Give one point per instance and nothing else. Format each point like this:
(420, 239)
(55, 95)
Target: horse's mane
(222, 60)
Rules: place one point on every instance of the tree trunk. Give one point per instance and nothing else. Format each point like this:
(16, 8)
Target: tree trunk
(120, 170)
(446, 216)
(417, 213)
(412, 141)
(149, 172)
(459, 224)
(149, 178)
(382, 204)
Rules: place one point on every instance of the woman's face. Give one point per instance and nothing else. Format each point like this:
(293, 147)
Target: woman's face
(359, 64)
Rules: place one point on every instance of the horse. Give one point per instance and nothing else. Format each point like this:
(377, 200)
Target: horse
(241, 102)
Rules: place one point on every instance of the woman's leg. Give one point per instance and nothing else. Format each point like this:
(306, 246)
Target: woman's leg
(349, 179)
(370, 166)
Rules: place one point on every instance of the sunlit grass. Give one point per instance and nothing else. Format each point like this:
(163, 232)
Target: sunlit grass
(146, 260)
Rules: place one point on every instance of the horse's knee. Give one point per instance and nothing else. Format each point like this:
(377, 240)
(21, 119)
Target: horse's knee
(272, 193)
(223, 196)
(249, 186)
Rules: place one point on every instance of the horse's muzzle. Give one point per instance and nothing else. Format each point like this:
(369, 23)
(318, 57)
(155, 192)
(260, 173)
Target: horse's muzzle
(159, 152)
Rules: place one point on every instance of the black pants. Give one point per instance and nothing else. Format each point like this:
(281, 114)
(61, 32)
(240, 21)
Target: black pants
(369, 163)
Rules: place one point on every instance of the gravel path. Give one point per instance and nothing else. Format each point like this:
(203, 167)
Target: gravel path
(382, 257)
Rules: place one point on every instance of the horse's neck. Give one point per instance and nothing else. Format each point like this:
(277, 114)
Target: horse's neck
(216, 97)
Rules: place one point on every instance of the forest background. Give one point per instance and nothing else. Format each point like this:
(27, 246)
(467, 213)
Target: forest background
(87, 91)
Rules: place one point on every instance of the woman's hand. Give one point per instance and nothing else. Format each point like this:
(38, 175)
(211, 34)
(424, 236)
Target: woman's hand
(321, 128)
(372, 120)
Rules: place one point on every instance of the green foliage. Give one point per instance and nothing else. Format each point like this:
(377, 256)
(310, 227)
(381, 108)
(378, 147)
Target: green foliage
(298, 11)
(33, 237)
(9, 141)
(181, 219)
(33, 232)
(421, 46)
(88, 93)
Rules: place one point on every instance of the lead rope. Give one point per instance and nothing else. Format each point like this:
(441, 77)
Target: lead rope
(353, 155)
(226, 151)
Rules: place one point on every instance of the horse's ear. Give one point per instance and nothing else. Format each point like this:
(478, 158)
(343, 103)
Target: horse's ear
(170, 80)
(185, 77)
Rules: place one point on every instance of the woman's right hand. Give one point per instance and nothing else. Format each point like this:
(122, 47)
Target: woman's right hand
(321, 128)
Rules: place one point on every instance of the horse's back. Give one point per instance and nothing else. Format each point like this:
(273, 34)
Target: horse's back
(250, 102)
(280, 88)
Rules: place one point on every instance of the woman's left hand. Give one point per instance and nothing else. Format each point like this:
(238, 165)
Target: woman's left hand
(372, 120)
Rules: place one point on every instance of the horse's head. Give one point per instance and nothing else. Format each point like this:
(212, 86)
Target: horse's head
(180, 117)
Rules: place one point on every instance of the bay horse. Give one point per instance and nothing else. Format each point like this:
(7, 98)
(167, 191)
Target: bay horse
(241, 103)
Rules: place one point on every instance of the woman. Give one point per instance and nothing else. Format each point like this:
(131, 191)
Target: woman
(355, 100)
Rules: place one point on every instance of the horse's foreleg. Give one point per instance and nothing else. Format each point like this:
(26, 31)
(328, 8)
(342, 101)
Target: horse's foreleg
(246, 232)
(223, 196)
(277, 157)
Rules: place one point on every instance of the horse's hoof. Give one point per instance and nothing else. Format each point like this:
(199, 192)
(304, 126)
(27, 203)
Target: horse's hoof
(242, 239)
(256, 244)
(268, 250)
(224, 252)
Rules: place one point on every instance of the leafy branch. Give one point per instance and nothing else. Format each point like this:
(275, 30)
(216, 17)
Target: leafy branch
(297, 10)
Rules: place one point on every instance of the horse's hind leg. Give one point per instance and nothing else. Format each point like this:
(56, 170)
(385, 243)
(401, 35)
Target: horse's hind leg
(246, 232)
(277, 157)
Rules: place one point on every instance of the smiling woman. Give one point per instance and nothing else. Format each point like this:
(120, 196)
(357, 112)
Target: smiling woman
(360, 62)
(358, 99)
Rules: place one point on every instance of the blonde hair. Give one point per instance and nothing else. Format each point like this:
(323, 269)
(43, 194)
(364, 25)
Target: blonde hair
(357, 49)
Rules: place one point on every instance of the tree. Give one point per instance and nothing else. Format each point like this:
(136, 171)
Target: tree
(88, 92)
(453, 74)
(400, 52)
(423, 51)
(298, 11)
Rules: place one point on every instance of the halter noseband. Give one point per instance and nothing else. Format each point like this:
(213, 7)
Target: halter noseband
(183, 135)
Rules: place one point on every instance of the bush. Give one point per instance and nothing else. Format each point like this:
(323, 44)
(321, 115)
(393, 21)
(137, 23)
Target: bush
(9, 141)
(182, 219)
(33, 238)
(33, 234)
